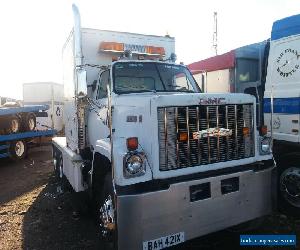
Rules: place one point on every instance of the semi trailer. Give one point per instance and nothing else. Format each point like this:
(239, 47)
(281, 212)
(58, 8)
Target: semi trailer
(162, 162)
(269, 70)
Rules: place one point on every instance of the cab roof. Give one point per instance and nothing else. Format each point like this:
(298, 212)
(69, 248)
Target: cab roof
(286, 27)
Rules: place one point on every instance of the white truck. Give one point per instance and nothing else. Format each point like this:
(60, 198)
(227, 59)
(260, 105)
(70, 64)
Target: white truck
(46, 93)
(162, 162)
(282, 108)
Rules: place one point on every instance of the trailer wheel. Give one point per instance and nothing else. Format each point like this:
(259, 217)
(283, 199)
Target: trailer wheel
(18, 149)
(289, 185)
(14, 124)
(29, 122)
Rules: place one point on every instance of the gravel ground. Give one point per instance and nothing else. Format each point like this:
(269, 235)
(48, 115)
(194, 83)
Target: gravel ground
(35, 214)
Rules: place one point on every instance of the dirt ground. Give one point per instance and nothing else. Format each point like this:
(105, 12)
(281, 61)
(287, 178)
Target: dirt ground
(35, 214)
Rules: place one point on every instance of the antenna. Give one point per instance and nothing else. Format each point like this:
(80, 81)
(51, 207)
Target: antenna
(215, 34)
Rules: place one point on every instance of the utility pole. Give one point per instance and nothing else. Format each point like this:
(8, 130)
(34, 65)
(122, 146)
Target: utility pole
(215, 34)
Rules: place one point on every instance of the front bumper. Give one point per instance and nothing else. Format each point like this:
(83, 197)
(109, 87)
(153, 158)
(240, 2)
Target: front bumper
(151, 215)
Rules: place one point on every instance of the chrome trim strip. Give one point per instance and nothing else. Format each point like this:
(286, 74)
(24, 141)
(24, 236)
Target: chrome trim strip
(198, 129)
(227, 137)
(218, 142)
(166, 137)
(177, 143)
(188, 134)
(236, 131)
(208, 141)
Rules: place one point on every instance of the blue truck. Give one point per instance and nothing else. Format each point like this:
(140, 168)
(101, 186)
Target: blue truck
(18, 128)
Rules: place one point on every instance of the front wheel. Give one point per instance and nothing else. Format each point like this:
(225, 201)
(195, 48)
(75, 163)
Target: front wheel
(289, 186)
(107, 215)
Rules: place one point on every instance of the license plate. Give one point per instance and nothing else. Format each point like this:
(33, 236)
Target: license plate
(164, 242)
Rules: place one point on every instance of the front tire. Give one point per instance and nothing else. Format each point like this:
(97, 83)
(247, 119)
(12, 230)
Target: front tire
(106, 212)
(289, 185)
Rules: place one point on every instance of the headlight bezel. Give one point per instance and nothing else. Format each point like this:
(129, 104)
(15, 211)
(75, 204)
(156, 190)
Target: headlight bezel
(126, 161)
(267, 149)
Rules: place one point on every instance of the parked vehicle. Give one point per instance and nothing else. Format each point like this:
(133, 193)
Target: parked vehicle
(162, 162)
(46, 93)
(18, 128)
(269, 70)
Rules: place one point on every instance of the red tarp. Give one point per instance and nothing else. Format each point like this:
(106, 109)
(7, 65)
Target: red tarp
(224, 61)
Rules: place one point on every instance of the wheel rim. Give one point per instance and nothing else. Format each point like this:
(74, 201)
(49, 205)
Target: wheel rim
(290, 186)
(14, 125)
(19, 148)
(107, 220)
(31, 123)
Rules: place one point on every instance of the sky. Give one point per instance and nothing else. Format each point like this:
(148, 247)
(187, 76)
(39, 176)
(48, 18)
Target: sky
(33, 31)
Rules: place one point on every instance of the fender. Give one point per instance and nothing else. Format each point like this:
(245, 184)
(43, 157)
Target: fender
(103, 147)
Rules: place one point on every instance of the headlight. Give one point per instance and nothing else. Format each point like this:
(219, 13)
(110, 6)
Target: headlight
(134, 165)
(265, 145)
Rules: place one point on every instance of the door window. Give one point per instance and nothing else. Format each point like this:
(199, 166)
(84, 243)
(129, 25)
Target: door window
(102, 89)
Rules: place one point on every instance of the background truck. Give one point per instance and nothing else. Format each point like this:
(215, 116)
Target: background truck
(162, 162)
(18, 128)
(269, 70)
(46, 93)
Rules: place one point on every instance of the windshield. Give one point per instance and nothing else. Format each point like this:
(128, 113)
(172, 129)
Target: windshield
(152, 76)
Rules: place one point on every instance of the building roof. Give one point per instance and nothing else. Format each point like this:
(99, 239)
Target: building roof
(219, 62)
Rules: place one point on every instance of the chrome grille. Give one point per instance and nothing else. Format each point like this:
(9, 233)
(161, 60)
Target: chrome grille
(173, 121)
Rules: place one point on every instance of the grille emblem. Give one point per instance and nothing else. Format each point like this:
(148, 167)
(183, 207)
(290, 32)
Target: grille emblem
(212, 132)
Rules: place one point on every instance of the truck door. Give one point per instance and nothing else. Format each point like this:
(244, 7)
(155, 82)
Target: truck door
(98, 114)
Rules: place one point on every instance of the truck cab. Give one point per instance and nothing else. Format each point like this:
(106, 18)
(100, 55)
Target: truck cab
(163, 162)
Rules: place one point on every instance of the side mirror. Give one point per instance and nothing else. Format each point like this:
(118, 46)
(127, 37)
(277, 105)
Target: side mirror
(81, 90)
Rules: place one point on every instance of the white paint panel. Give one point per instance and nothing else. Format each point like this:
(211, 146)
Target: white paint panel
(216, 81)
(283, 81)
(46, 93)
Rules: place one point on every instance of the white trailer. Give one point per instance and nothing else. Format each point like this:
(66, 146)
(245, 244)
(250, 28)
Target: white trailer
(163, 162)
(46, 93)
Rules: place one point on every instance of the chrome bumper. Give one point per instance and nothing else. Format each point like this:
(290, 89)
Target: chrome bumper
(149, 216)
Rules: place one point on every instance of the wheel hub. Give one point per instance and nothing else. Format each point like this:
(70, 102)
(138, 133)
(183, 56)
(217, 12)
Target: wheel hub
(31, 124)
(14, 126)
(19, 148)
(107, 220)
(290, 185)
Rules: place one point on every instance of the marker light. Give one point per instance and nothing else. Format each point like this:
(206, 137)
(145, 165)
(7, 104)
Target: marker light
(246, 131)
(183, 136)
(135, 49)
(112, 46)
(263, 130)
(155, 50)
(132, 143)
